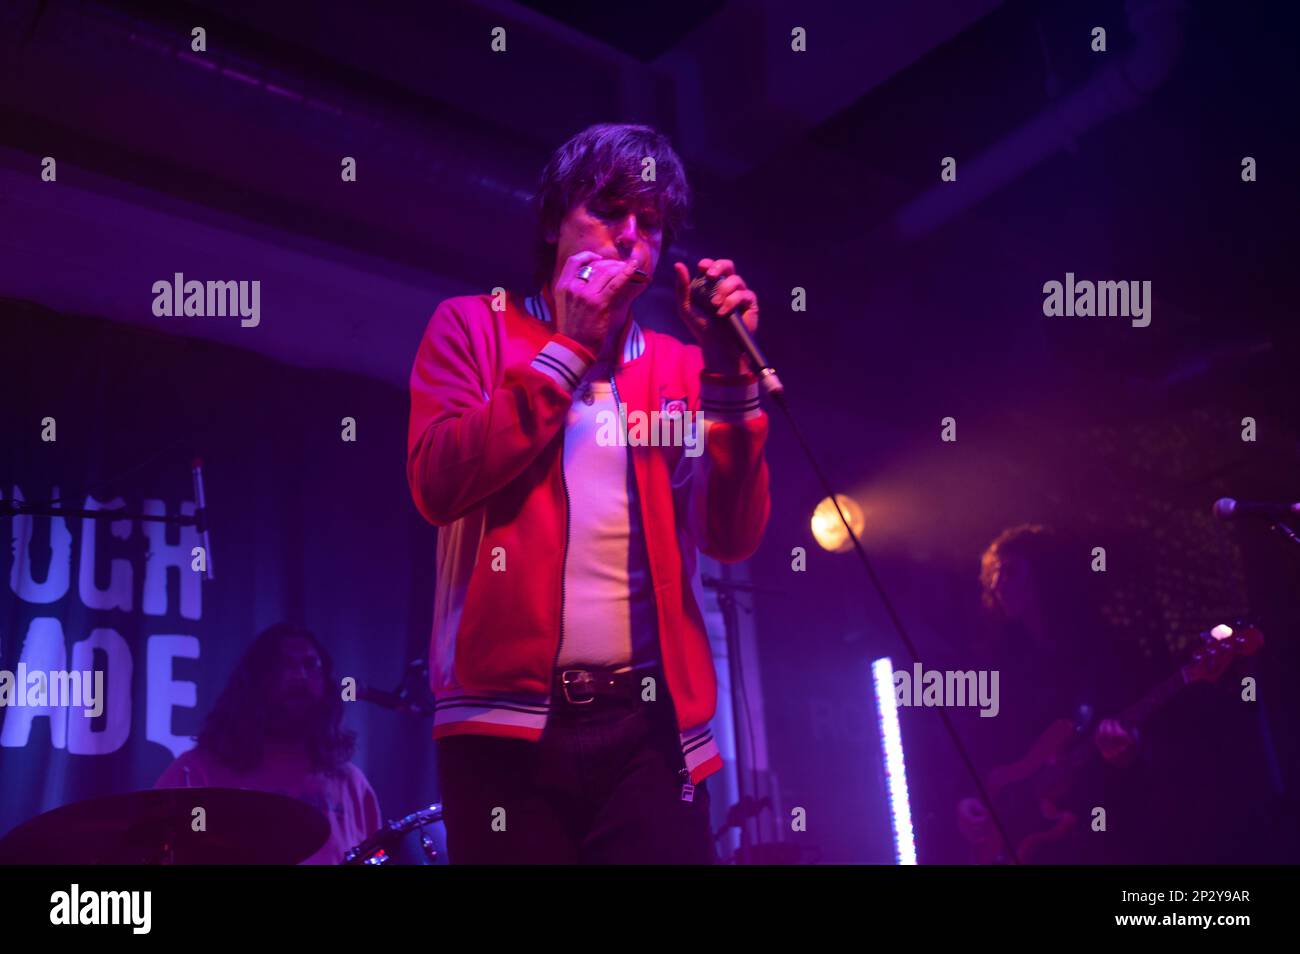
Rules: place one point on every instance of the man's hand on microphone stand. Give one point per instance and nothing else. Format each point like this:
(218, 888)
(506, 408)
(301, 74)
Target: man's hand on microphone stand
(720, 352)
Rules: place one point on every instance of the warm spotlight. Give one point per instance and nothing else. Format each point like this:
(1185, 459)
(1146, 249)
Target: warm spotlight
(829, 530)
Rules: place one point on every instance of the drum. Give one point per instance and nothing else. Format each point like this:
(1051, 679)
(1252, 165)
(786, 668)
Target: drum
(420, 838)
(156, 827)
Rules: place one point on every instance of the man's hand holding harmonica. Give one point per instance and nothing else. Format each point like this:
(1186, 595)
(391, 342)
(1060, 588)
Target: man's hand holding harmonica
(590, 293)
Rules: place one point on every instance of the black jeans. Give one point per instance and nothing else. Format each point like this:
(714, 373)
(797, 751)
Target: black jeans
(600, 787)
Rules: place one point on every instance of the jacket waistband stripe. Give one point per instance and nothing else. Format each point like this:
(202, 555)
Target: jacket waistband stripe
(703, 760)
(498, 708)
(688, 749)
(501, 715)
(540, 704)
(690, 739)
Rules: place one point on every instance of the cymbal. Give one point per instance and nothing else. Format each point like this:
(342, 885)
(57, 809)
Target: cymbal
(157, 827)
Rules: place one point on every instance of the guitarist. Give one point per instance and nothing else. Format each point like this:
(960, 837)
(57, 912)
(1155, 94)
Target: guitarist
(1054, 662)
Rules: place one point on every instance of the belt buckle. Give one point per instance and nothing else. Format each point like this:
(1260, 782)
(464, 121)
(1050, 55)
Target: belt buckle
(581, 678)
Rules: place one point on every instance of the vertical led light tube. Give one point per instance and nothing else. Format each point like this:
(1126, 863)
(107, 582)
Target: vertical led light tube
(891, 750)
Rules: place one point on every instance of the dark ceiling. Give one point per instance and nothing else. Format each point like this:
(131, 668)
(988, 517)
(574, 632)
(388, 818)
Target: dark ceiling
(643, 31)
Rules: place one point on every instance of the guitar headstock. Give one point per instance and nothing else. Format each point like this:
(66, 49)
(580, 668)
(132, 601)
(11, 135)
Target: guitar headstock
(1222, 645)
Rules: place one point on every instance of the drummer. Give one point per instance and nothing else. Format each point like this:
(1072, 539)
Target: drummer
(276, 728)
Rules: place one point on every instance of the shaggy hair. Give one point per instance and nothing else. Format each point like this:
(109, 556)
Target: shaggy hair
(235, 730)
(606, 161)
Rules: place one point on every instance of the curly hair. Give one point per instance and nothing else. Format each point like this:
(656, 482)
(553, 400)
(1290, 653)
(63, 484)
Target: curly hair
(1039, 546)
(235, 729)
(607, 160)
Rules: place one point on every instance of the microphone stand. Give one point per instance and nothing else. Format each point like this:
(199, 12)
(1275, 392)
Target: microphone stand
(1285, 531)
(406, 698)
(748, 804)
(41, 508)
(767, 376)
(47, 508)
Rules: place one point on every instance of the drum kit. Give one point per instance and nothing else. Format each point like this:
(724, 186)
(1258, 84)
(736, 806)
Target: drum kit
(237, 827)
(390, 845)
(163, 827)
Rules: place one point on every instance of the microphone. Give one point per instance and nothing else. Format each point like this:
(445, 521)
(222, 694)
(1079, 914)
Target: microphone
(201, 515)
(396, 701)
(1225, 508)
(702, 289)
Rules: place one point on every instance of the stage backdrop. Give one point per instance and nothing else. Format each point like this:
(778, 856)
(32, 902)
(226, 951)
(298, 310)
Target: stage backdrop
(304, 526)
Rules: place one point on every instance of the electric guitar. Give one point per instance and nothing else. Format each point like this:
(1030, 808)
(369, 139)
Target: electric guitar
(1047, 772)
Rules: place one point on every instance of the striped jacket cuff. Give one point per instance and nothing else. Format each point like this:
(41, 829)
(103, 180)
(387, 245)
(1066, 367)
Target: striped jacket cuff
(564, 360)
(729, 397)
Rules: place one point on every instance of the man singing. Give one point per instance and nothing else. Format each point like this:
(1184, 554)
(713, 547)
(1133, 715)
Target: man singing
(573, 677)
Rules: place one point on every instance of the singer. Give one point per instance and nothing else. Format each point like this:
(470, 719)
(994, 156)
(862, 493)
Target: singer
(572, 673)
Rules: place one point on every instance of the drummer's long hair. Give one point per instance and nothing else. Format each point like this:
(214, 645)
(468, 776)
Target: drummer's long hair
(236, 728)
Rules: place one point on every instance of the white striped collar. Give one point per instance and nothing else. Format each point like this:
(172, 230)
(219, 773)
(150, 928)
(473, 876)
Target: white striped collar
(633, 345)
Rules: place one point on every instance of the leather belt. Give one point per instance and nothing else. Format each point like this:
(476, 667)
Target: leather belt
(583, 687)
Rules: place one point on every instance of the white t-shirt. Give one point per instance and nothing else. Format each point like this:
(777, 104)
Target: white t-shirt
(609, 610)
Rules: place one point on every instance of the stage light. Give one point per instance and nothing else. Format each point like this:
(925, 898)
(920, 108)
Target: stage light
(891, 749)
(828, 528)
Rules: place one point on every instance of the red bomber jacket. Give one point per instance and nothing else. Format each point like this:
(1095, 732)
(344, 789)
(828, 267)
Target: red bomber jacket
(490, 391)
